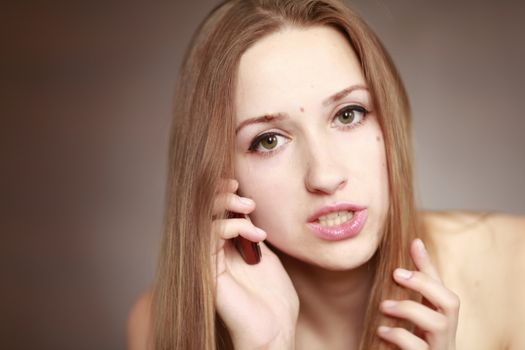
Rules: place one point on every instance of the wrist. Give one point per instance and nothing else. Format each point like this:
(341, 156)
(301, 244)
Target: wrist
(283, 341)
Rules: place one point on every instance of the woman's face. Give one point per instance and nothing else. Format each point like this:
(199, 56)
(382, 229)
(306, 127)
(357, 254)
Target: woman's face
(321, 147)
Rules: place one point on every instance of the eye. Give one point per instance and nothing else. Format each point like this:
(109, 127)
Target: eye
(266, 143)
(351, 116)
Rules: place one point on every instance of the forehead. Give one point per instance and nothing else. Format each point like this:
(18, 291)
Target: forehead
(294, 67)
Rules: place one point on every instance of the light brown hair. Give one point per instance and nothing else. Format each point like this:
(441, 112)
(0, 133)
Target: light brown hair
(201, 153)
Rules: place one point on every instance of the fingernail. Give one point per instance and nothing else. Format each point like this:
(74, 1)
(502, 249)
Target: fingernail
(260, 232)
(402, 273)
(383, 329)
(246, 201)
(389, 303)
(420, 245)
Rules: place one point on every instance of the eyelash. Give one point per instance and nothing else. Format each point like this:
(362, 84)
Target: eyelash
(256, 141)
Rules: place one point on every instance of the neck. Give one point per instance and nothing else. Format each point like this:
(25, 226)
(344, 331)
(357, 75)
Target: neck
(332, 303)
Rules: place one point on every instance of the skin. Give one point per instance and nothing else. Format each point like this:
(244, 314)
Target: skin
(319, 158)
(482, 259)
(318, 162)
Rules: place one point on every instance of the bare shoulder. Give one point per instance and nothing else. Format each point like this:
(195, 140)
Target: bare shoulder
(481, 256)
(139, 322)
(480, 229)
(479, 241)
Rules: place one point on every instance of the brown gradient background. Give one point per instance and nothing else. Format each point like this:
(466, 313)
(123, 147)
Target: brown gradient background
(85, 100)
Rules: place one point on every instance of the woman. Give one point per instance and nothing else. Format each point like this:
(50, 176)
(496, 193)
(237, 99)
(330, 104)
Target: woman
(291, 115)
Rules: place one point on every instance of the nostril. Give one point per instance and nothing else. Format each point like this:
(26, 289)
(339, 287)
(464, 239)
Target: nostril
(328, 185)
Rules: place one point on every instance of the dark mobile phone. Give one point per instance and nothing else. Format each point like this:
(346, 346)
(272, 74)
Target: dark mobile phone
(250, 251)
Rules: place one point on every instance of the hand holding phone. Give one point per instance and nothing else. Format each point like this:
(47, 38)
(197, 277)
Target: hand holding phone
(248, 287)
(250, 251)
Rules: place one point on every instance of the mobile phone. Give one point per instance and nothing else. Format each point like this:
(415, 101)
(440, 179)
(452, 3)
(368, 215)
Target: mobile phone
(250, 251)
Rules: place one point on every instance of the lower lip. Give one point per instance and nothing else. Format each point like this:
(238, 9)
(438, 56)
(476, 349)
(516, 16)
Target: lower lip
(348, 229)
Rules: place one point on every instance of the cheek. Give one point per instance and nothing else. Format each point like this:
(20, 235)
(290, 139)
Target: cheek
(381, 157)
(369, 167)
(271, 187)
(382, 171)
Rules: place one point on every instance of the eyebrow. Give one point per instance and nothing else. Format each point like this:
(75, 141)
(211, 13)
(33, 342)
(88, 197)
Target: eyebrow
(267, 118)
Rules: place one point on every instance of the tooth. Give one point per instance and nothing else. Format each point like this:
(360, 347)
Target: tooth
(336, 218)
(334, 215)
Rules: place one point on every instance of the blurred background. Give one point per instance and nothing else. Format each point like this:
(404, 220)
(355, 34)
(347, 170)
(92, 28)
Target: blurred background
(85, 100)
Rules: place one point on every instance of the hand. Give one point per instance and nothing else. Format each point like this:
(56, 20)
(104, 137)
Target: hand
(436, 319)
(258, 303)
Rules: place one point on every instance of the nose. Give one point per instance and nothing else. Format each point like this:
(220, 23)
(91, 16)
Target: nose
(325, 172)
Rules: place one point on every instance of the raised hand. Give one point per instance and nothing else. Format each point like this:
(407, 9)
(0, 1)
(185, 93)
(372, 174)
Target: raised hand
(436, 318)
(258, 303)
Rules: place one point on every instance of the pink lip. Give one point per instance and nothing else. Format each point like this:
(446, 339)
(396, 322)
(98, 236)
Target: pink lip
(346, 230)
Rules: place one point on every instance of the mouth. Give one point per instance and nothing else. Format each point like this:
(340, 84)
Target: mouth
(339, 225)
(335, 214)
(338, 221)
(335, 218)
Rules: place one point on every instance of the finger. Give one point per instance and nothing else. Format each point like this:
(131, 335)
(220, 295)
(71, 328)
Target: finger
(230, 228)
(434, 291)
(227, 185)
(420, 315)
(402, 338)
(232, 202)
(232, 185)
(422, 259)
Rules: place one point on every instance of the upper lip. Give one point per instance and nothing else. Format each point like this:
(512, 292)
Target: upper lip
(341, 206)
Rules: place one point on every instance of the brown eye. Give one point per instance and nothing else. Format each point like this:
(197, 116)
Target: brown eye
(269, 141)
(351, 115)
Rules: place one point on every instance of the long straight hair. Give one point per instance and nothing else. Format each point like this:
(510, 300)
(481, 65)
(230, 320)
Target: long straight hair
(201, 153)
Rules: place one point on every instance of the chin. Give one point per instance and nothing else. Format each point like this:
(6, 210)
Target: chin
(328, 257)
(342, 261)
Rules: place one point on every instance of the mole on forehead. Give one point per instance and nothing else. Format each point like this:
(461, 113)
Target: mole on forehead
(302, 109)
